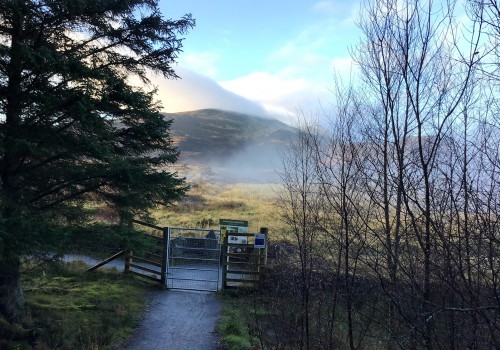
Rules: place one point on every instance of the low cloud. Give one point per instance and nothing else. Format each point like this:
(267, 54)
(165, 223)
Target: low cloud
(297, 75)
(300, 73)
(194, 91)
(280, 95)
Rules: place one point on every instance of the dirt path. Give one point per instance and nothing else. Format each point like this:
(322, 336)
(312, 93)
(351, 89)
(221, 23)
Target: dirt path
(178, 320)
(174, 320)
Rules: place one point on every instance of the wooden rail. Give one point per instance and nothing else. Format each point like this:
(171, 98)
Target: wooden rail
(147, 224)
(147, 261)
(104, 262)
(130, 258)
(242, 269)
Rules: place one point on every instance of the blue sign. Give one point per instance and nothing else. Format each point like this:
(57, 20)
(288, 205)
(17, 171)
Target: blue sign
(260, 240)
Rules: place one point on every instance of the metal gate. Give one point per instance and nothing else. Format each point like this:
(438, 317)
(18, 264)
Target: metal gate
(193, 259)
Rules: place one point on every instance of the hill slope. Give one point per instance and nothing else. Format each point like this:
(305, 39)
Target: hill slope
(234, 146)
(211, 135)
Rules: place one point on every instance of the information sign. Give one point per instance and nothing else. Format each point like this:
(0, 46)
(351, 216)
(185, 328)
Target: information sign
(260, 240)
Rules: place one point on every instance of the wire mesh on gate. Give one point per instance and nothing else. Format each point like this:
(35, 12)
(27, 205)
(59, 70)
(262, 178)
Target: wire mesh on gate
(193, 259)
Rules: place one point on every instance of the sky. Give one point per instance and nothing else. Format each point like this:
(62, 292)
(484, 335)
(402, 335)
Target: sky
(262, 57)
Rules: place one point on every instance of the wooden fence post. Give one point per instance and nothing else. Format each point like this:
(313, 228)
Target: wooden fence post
(265, 231)
(164, 257)
(128, 261)
(224, 261)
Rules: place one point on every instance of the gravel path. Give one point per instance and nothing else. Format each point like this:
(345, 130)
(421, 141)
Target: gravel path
(174, 320)
(178, 320)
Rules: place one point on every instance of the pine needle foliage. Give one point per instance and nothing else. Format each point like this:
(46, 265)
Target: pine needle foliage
(73, 128)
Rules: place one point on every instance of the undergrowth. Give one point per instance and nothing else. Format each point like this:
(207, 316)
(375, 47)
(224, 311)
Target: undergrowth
(67, 308)
(233, 323)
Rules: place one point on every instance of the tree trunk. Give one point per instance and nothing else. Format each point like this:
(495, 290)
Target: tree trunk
(11, 294)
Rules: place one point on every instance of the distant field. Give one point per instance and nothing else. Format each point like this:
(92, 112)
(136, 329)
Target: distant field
(206, 203)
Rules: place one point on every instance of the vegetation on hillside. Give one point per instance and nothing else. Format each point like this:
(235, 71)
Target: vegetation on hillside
(230, 147)
(210, 135)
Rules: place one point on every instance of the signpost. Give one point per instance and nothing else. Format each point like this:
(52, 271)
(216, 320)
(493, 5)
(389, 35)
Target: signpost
(233, 226)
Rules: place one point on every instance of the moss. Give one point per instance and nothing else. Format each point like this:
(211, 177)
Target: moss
(67, 308)
(232, 325)
(236, 342)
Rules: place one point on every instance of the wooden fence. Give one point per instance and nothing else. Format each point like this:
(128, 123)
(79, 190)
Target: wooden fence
(153, 266)
(242, 264)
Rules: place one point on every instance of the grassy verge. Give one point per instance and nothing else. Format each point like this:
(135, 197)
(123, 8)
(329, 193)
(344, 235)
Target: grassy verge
(233, 323)
(67, 308)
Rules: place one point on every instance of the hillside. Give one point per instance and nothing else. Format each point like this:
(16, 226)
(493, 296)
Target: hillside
(211, 135)
(230, 146)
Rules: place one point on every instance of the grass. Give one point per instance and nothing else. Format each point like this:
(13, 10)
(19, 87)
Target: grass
(210, 202)
(67, 308)
(232, 325)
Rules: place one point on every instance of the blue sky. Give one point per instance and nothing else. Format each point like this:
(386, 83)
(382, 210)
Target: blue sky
(268, 57)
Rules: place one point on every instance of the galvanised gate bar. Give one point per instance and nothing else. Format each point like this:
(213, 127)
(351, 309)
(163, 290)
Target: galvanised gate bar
(193, 259)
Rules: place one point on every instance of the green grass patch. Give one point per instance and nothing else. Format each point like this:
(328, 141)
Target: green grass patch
(67, 308)
(232, 325)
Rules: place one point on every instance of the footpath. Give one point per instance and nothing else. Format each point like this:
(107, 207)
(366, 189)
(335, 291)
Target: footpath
(174, 319)
(178, 320)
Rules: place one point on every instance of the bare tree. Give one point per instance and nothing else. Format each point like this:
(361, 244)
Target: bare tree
(300, 209)
(486, 15)
(416, 78)
(340, 159)
(402, 187)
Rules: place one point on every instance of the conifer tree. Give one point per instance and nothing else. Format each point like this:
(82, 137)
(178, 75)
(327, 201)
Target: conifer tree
(73, 129)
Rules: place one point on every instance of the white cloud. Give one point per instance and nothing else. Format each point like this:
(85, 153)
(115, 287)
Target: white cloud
(345, 68)
(194, 91)
(262, 86)
(203, 62)
(280, 95)
(299, 73)
(310, 53)
(296, 75)
(343, 11)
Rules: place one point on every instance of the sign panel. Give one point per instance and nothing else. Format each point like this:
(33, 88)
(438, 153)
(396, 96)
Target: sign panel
(237, 239)
(260, 240)
(228, 226)
(233, 226)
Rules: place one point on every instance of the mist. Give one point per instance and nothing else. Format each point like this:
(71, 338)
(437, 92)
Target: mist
(194, 91)
(256, 163)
